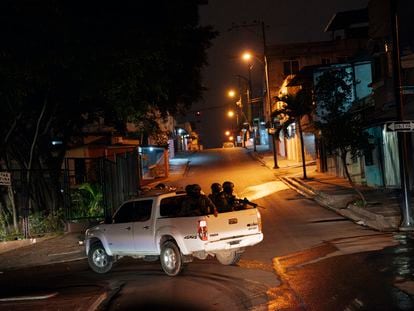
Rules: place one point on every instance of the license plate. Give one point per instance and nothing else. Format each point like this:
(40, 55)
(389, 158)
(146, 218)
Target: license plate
(232, 221)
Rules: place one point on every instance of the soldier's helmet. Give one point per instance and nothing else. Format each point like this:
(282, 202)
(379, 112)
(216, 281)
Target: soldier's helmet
(195, 190)
(188, 189)
(216, 187)
(228, 187)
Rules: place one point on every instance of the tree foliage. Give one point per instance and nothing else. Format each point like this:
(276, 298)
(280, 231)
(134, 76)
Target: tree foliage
(63, 64)
(342, 129)
(296, 106)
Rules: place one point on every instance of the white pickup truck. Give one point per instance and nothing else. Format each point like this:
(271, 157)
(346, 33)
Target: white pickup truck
(153, 227)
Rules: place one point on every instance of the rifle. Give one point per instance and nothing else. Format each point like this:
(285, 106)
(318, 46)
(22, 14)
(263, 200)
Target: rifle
(245, 201)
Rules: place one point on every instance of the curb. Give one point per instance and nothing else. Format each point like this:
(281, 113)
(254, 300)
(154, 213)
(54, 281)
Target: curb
(102, 302)
(299, 187)
(7, 246)
(372, 220)
(359, 215)
(256, 156)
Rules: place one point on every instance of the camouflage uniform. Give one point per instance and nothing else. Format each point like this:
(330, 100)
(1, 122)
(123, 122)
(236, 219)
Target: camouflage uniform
(232, 202)
(221, 202)
(197, 204)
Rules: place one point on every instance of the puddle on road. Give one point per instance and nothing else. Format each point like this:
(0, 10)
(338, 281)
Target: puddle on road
(402, 263)
(254, 264)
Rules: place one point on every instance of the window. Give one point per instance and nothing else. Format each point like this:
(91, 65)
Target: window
(290, 67)
(325, 61)
(369, 158)
(142, 210)
(124, 214)
(134, 211)
(171, 207)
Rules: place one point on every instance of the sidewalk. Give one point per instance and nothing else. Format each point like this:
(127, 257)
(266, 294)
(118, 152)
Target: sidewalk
(41, 251)
(382, 212)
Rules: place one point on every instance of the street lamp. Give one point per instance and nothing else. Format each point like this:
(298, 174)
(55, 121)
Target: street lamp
(247, 56)
(239, 109)
(231, 93)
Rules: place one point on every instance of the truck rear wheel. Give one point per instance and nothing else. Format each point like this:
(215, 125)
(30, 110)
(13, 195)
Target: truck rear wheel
(171, 259)
(98, 259)
(228, 257)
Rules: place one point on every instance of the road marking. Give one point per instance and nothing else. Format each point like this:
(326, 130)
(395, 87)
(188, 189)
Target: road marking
(23, 298)
(66, 253)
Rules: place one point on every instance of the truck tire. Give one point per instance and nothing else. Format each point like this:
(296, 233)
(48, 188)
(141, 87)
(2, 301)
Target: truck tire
(228, 257)
(171, 259)
(98, 259)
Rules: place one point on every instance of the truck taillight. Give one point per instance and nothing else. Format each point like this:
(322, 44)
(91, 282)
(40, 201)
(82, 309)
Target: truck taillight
(202, 230)
(259, 221)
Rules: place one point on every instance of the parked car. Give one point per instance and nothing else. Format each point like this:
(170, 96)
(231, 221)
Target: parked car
(155, 226)
(228, 144)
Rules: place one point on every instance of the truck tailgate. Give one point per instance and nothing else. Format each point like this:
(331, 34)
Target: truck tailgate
(233, 224)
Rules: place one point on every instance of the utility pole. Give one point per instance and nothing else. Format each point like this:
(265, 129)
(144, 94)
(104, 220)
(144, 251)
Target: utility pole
(244, 107)
(406, 213)
(268, 106)
(250, 103)
(267, 102)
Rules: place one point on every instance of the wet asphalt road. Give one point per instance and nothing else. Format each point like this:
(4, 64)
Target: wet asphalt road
(360, 281)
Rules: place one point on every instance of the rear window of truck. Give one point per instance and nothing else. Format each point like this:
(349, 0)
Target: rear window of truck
(172, 206)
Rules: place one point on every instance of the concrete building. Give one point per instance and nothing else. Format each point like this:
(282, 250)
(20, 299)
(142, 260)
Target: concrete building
(376, 90)
(285, 61)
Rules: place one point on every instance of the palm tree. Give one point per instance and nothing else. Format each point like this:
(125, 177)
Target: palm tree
(295, 107)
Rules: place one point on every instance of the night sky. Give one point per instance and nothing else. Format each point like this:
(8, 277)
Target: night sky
(287, 21)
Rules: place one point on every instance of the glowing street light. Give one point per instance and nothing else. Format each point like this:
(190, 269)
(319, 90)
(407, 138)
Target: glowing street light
(227, 133)
(247, 56)
(230, 113)
(231, 93)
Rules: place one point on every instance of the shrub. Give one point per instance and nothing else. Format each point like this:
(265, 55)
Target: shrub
(87, 201)
(43, 222)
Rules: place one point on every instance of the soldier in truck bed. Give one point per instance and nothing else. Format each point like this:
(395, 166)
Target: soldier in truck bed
(219, 199)
(233, 202)
(196, 203)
